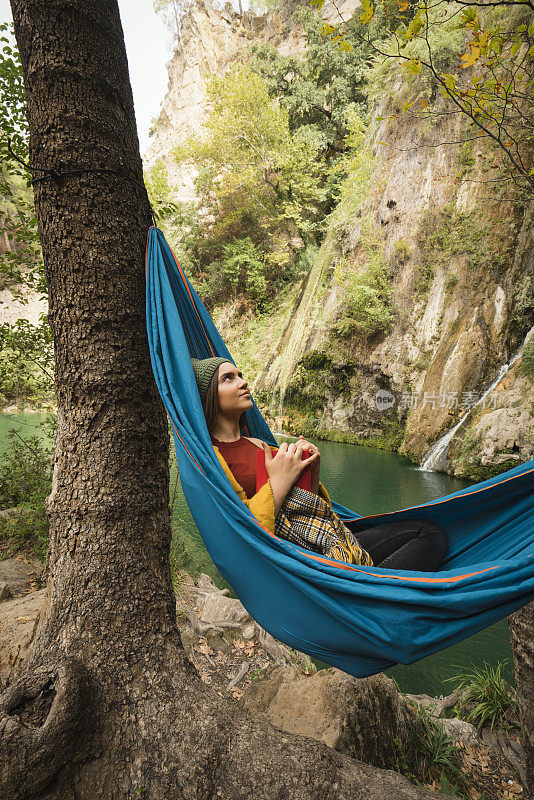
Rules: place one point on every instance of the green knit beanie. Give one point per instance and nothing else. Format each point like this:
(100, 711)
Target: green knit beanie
(204, 369)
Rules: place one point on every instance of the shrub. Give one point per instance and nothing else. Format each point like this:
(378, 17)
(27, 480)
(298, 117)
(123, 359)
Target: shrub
(487, 696)
(429, 754)
(527, 365)
(25, 482)
(240, 271)
(25, 472)
(368, 307)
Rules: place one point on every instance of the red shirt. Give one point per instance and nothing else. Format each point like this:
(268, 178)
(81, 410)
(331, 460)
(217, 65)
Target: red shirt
(241, 459)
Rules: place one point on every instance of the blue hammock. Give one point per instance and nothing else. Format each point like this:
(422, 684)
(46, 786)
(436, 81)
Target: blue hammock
(360, 619)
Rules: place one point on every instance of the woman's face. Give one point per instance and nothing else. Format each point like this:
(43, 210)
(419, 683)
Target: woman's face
(234, 396)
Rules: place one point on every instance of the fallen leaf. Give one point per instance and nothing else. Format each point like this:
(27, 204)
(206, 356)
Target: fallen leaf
(203, 647)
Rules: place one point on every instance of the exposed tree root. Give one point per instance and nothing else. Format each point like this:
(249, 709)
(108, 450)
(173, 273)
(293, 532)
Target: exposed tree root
(40, 720)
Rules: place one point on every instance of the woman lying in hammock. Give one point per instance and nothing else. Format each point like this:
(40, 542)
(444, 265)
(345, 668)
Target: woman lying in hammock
(301, 516)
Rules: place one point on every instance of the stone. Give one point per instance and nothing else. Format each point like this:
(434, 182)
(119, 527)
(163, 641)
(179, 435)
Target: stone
(460, 730)
(5, 591)
(18, 618)
(360, 717)
(218, 608)
(21, 574)
(248, 632)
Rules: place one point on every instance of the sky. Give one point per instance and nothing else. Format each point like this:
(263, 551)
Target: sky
(147, 47)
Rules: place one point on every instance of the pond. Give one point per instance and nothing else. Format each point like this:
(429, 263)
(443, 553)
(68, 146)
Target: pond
(368, 481)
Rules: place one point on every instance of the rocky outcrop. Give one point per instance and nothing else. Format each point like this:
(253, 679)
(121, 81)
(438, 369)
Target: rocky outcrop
(211, 40)
(459, 267)
(20, 603)
(359, 717)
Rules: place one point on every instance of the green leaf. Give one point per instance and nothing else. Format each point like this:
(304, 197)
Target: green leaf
(413, 66)
(515, 47)
(367, 12)
(449, 80)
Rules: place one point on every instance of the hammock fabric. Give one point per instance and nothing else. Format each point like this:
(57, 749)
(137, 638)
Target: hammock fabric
(359, 619)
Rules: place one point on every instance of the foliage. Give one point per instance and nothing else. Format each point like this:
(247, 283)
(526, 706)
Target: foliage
(358, 167)
(423, 279)
(447, 233)
(487, 696)
(247, 151)
(241, 272)
(26, 351)
(21, 263)
(262, 6)
(469, 445)
(527, 365)
(402, 252)
(318, 88)
(470, 463)
(270, 157)
(25, 482)
(523, 296)
(480, 60)
(428, 754)
(255, 178)
(368, 289)
(26, 362)
(159, 192)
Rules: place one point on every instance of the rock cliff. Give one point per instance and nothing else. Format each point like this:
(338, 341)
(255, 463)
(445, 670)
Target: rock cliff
(461, 264)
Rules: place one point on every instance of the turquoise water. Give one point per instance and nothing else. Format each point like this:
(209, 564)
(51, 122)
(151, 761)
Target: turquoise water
(368, 481)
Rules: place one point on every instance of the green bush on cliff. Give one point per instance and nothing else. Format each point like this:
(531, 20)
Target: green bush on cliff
(446, 234)
(444, 38)
(487, 698)
(367, 285)
(527, 365)
(257, 179)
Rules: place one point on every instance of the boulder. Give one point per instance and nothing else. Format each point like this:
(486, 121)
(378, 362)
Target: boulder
(218, 608)
(18, 618)
(5, 591)
(21, 574)
(358, 717)
(460, 730)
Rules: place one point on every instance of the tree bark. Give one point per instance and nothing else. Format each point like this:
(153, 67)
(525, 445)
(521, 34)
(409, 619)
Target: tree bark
(521, 625)
(108, 705)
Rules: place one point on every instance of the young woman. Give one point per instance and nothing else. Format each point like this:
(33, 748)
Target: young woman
(407, 544)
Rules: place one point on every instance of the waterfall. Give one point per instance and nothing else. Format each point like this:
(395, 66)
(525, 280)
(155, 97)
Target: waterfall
(436, 457)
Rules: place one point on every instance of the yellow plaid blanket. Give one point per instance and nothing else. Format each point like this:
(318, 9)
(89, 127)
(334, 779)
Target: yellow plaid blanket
(307, 520)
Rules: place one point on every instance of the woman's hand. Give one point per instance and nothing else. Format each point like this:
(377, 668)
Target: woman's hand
(285, 468)
(316, 465)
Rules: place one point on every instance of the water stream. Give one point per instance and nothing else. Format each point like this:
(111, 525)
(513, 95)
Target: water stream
(436, 457)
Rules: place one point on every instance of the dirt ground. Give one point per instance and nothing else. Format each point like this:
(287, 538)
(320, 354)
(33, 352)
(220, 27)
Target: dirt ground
(230, 659)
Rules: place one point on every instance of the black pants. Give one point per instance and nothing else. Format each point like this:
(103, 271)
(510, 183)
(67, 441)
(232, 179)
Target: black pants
(407, 544)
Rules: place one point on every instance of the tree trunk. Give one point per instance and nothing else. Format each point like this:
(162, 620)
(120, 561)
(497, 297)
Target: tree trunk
(108, 705)
(521, 625)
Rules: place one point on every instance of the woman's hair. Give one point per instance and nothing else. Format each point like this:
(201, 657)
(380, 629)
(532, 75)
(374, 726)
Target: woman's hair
(210, 404)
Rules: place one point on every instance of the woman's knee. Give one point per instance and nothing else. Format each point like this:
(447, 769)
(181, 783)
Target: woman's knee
(436, 536)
